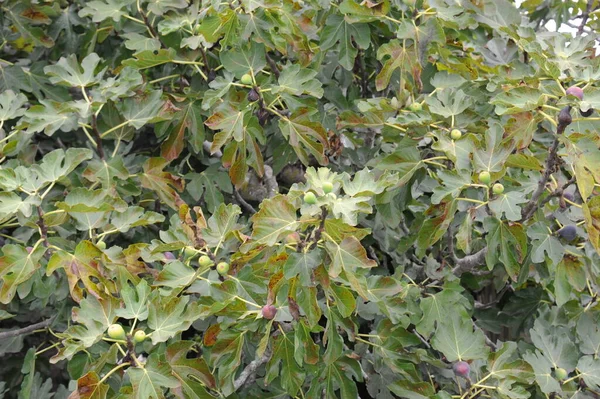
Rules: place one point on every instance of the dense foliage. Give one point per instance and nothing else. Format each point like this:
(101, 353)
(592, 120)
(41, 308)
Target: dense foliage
(307, 199)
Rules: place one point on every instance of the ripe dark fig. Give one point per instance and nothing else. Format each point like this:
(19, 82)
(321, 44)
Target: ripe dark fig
(253, 95)
(564, 116)
(585, 109)
(568, 232)
(212, 75)
(575, 91)
(461, 369)
(169, 256)
(269, 312)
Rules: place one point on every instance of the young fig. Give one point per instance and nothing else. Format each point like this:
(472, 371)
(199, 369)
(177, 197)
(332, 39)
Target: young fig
(223, 268)
(455, 134)
(497, 188)
(310, 198)
(246, 79)
(485, 177)
(116, 331)
(205, 261)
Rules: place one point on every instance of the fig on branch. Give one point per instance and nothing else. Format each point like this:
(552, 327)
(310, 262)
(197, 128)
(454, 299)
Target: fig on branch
(139, 336)
(568, 232)
(269, 312)
(415, 107)
(485, 178)
(327, 187)
(169, 256)
(497, 188)
(205, 261)
(564, 116)
(116, 331)
(253, 95)
(585, 109)
(560, 373)
(461, 369)
(310, 198)
(246, 79)
(455, 134)
(101, 245)
(222, 268)
(575, 91)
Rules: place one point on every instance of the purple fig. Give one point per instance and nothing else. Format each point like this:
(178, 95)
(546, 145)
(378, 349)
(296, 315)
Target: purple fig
(568, 232)
(269, 312)
(564, 116)
(169, 256)
(253, 95)
(575, 91)
(461, 369)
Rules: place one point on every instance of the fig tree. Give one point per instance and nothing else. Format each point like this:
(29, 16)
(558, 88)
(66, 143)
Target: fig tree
(269, 312)
(116, 331)
(568, 232)
(575, 91)
(310, 198)
(484, 177)
(455, 134)
(246, 79)
(327, 187)
(222, 268)
(461, 369)
(497, 188)
(139, 336)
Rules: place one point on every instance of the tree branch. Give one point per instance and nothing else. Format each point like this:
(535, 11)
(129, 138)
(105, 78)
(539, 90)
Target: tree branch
(243, 202)
(25, 330)
(529, 209)
(469, 262)
(250, 369)
(584, 17)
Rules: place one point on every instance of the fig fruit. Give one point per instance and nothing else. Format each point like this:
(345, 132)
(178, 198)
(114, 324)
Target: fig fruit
(310, 198)
(461, 369)
(455, 134)
(116, 331)
(560, 373)
(189, 252)
(292, 238)
(415, 107)
(497, 188)
(575, 91)
(139, 336)
(253, 96)
(101, 245)
(169, 256)
(246, 79)
(585, 109)
(564, 116)
(222, 268)
(568, 232)
(269, 312)
(484, 177)
(205, 261)
(327, 187)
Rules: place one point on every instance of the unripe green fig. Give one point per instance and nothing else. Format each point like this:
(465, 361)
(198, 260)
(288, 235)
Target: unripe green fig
(292, 238)
(327, 187)
(101, 245)
(575, 91)
(415, 107)
(269, 312)
(189, 252)
(116, 331)
(222, 268)
(560, 373)
(139, 336)
(205, 261)
(310, 198)
(461, 369)
(246, 79)
(485, 177)
(455, 134)
(497, 188)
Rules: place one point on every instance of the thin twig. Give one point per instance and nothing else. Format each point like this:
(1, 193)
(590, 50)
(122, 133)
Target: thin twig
(243, 202)
(42, 225)
(585, 16)
(25, 330)
(272, 65)
(250, 369)
(558, 192)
